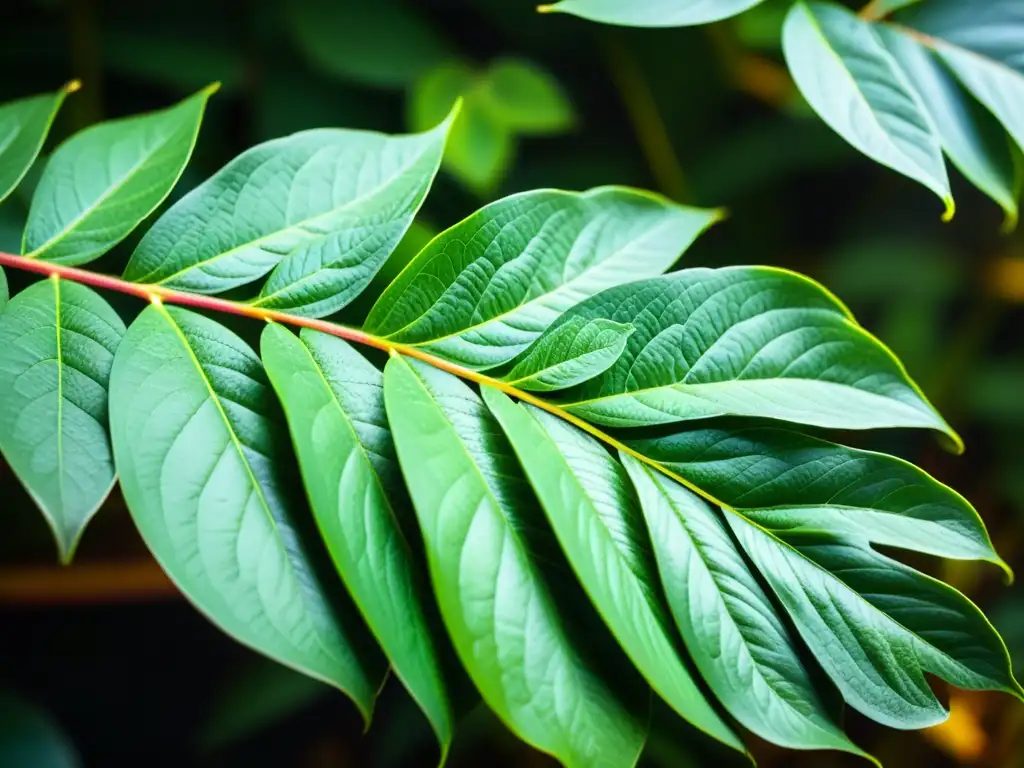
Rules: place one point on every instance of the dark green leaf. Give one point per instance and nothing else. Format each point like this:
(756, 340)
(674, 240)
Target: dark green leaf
(57, 345)
(30, 739)
(5, 293)
(480, 528)
(24, 125)
(101, 183)
(202, 453)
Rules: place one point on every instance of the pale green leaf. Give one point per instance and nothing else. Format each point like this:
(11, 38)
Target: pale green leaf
(202, 453)
(481, 292)
(57, 345)
(750, 341)
(971, 137)
(591, 505)
(382, 43)
(981, 43)
(334, 401)
(652, 13)
(855, 85)
(877, 626)
(24, 125)
(481, 528)
(326, 207)
(103, 182)
(525, 98)
(786, 481)
(580, 350)
(741, 647)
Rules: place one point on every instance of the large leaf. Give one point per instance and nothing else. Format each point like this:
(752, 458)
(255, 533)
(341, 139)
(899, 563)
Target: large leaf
(752, 341)
(971, 137)
(57, 345)
(595, 515)
(789, 482)
(877, 626)
(201, 449)
(981, 43)
(850, 79)
(482, 291)
(334, 400)
(652, 13)
(326, 207)
(24, 125)
(741, 647)
(481, 529)
(101, 183)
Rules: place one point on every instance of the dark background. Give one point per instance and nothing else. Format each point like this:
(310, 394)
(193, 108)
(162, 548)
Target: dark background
(134, 676)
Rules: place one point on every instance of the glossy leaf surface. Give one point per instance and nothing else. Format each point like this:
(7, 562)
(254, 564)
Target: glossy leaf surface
(24, 125)
(57, 345)
(652, 13)
(202, 452)
(334, 401)
(482, 291)
(104, 181)
(481, 529)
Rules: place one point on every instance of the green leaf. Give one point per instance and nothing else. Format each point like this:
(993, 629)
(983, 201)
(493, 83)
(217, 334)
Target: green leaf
(57, 345)
(481, 529)
(201, 449)
(29, 737)
(855, 85)
(525, 98)
(5, 293)
(101, 183)
(326, 207)
(595, 515)
(877, 626)
(750, 341)
(484, 290)
(981, 43)
(970, 135)
(381, 43)
(580, 350)
(786, 481)
(740, 646)
(651, 13)
(480, 148)
(334, 401)
(24, 125)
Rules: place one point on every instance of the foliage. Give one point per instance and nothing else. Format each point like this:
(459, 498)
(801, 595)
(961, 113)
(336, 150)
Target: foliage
(670, 489)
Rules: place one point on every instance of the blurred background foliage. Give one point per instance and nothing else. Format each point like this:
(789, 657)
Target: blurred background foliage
(103, 664)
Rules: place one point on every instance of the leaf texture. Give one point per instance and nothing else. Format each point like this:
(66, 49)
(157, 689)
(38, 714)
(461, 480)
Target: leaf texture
(58, 340)
(102, 182)
(24, 125)
(201, 449)
(334, 401)
(481, 292)
(652, 13)
(480, 527)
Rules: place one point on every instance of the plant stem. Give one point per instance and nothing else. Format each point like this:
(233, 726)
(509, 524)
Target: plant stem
(157, 294)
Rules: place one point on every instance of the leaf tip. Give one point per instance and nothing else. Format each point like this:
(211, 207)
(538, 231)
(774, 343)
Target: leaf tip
(72, 85)
(549, 8)
(1009, 222)
(950, 211)
(211, 89)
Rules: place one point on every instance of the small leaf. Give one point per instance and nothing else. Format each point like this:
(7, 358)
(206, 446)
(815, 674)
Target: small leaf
(855, 85)
(651, 13)
(580, 350)
(202, 453)
(57, 345)
(326, 207)
(877, 626)
(382, 43)
(971, 137)
(483, 535)
(101, 183)
(334, 401)
(595, 515)
(742, 649)
(525, 98)
(24, 125)
(786, 481)
(481, 292)
(750, 341)
(29, 737)
(981, 44)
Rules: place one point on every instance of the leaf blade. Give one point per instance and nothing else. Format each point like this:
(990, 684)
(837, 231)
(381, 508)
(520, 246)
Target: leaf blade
(651, 13)
(24, 125)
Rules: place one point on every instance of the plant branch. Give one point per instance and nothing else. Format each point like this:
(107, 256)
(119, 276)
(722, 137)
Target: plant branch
(157, 294)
